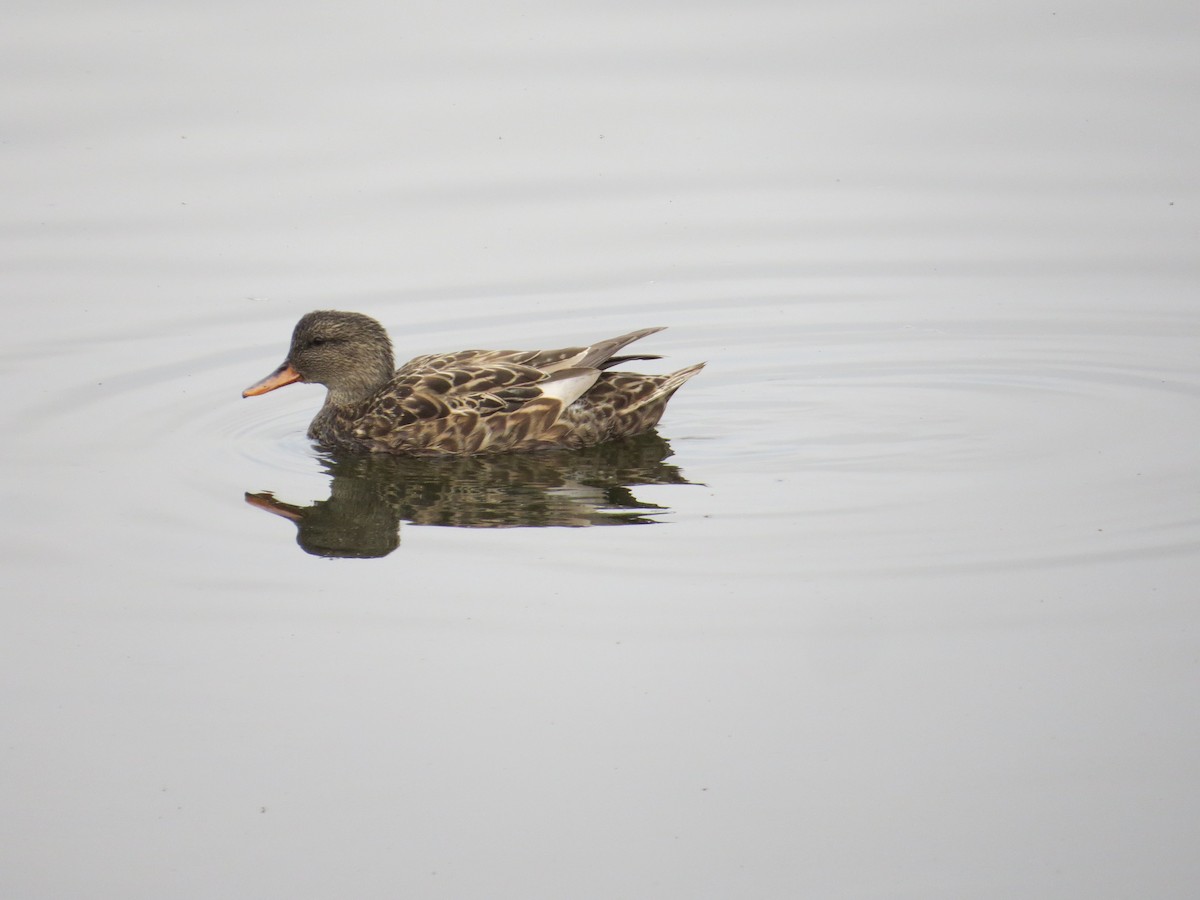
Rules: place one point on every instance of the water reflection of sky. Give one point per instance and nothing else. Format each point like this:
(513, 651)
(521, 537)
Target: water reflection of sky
(920, 620)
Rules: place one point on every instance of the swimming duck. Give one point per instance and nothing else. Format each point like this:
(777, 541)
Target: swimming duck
(469, 402)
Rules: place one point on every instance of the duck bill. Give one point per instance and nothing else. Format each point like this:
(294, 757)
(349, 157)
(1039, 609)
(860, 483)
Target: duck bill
(285, 374)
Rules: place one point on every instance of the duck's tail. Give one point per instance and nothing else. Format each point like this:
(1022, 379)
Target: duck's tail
(621, 404)
(664, 389)
(600, 356)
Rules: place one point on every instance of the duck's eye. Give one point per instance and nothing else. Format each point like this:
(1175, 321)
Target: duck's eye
(318, 341)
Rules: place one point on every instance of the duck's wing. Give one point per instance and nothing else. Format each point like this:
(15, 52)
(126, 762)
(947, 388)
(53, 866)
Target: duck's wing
(469, 408)
(440, 386)
(599, 356)
(477, 401)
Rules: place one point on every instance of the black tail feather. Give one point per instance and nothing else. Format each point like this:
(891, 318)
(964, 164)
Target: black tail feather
(617, 360)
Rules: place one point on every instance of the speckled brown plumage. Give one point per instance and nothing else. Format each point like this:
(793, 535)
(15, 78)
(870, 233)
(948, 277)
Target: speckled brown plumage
(469, 402)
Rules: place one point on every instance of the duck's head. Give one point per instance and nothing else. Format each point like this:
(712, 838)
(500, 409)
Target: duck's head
(347, 352)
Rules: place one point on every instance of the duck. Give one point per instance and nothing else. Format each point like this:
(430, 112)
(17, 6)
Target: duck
(468, 402)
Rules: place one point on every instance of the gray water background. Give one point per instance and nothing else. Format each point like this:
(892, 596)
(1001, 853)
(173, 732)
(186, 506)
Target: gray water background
(923, 620)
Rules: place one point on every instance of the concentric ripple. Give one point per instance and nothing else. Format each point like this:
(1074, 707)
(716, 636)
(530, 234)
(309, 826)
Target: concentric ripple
(843, 439)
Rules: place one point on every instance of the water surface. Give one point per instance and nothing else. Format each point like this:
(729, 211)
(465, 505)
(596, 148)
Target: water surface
(909, 609)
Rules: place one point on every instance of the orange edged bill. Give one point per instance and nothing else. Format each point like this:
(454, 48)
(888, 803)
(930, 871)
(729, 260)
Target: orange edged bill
(285, 374)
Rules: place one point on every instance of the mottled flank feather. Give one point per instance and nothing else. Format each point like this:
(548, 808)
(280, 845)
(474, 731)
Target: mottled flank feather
(469, 402)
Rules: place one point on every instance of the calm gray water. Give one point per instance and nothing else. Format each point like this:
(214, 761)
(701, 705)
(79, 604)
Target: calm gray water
(902, 602)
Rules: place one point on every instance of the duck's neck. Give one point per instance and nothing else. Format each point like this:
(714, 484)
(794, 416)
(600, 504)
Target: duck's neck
(356, 387)
(348, 399)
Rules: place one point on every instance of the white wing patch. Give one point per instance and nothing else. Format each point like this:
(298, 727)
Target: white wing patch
(568, 385)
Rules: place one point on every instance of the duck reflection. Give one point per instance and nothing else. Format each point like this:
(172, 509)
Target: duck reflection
(371, 494)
